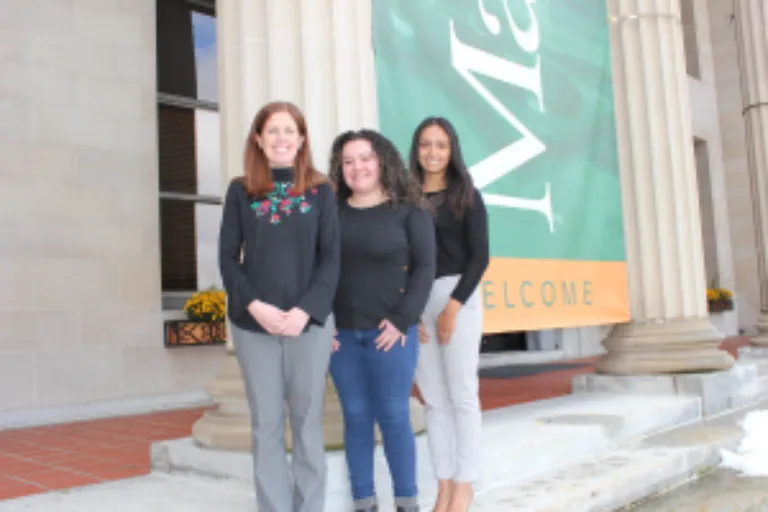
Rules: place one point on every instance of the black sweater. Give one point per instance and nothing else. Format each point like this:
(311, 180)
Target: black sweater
(387, 266)
(290, 248)
(462, 244)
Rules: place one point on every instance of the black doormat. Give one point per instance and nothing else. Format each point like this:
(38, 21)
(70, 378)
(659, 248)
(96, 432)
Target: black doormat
(513, 371)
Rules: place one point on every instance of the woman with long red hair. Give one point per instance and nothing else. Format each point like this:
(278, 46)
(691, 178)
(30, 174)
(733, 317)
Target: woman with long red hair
(279, 260)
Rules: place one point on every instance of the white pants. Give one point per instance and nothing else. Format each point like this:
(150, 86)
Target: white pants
(448, 382)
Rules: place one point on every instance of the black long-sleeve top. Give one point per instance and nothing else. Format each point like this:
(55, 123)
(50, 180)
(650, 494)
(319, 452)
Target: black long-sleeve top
(290, 250)
(387, 265)
(462, 243)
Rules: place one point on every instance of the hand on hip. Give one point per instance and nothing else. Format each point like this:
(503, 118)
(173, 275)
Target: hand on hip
(389, 336)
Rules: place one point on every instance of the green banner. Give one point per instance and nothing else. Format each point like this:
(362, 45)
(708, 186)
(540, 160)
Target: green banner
(527, 83)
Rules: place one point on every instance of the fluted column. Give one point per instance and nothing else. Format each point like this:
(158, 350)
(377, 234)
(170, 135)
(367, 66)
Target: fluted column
(670, 329)
(317, 54)
(752, 44)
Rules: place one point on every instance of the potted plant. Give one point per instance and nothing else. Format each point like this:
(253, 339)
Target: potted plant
(719, 299)
(205, 324)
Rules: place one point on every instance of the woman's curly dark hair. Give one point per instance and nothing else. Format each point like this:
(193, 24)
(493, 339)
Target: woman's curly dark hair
(399, 184)
(460, 191)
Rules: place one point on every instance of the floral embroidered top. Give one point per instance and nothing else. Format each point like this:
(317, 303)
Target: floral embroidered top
(282, 201)
(290, 249)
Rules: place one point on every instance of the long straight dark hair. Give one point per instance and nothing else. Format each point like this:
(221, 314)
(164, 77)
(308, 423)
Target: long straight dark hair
(460, 191)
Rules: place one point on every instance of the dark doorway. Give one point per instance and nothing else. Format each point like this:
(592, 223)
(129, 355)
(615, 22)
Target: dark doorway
(504, 342)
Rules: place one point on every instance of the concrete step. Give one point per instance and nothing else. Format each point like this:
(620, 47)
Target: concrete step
(755, 355)
(720, 392)
(603, 483)
(519, 443)
(720, 491)
(756, 391)
(496, 359)
(622, 478)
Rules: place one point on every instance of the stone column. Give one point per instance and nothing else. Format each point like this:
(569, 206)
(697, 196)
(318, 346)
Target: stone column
(670, 330)
(319, 55)
(752, 43)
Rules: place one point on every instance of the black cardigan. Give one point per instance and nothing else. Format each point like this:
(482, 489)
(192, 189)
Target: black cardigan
(290, 250)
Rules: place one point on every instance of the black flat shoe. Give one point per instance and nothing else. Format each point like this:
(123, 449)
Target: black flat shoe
(410, 508)
(372, 508)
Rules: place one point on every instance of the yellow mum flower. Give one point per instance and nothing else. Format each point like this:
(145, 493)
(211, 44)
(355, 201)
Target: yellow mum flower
(725, 294)
(207, 306)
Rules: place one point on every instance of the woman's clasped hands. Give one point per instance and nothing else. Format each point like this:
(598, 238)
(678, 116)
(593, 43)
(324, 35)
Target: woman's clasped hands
(278, 322)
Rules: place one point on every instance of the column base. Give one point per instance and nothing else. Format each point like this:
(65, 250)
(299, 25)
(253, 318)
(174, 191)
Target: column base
(228, 425)
(673, 346)
(761, 338)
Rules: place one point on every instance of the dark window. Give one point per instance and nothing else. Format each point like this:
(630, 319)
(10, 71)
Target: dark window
(707, 210)
(186, 49)
(178, 245)
(690, 41)
(188, 146)
(176, 149)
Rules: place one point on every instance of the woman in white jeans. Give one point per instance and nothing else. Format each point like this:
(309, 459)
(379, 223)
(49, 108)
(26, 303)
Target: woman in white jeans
(452, 323)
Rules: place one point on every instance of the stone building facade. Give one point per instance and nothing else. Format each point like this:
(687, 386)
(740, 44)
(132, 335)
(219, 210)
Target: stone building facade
(108, 108)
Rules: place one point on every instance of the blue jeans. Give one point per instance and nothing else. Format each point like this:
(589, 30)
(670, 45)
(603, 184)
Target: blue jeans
(374, 385)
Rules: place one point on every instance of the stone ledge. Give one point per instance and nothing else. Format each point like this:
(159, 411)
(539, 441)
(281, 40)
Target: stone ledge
(757, 356)
(720, 392)
(519, 443)
(752, 394)
(753, 352)
(56, 415)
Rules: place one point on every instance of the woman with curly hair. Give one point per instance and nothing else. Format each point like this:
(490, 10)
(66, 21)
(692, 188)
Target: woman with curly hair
(453, 319)
(279, 259)
(387, 270)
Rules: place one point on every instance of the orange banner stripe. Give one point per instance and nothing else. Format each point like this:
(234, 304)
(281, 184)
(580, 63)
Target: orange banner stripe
(526, 295)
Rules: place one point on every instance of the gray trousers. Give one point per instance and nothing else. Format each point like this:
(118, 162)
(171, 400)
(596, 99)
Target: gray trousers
(277, 370)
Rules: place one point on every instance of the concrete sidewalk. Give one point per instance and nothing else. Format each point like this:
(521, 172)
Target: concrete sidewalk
(523, 444)
(625, 470)
(150, 493)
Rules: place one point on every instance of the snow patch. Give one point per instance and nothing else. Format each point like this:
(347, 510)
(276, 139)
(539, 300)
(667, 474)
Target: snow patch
(751, 456)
